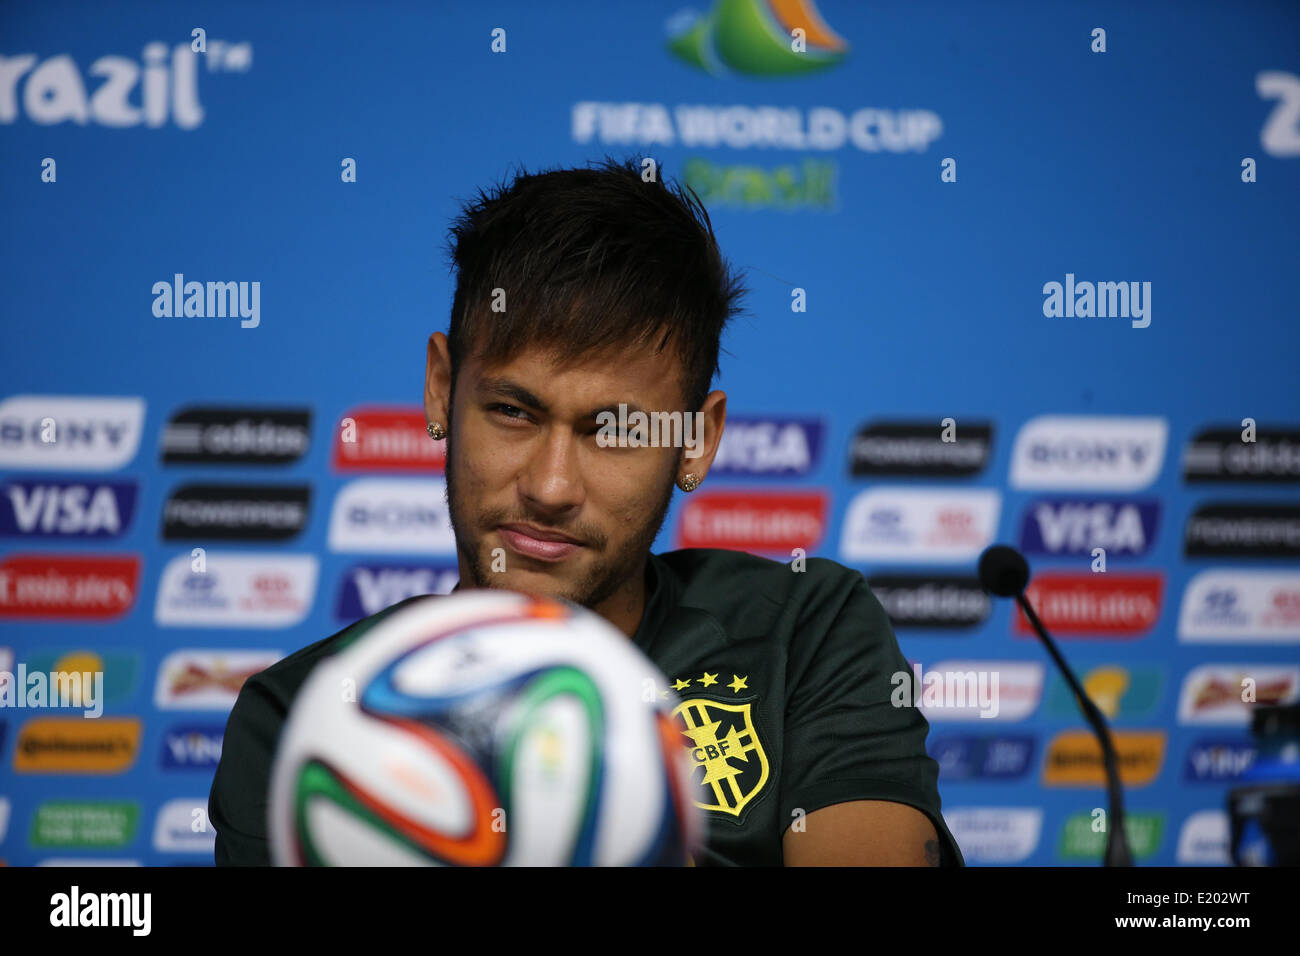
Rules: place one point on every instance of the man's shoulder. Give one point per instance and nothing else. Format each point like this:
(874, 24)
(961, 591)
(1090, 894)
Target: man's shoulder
(286, 676)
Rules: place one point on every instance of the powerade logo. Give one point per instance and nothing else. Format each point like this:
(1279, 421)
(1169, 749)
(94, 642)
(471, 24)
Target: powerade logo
(771, 447)
(971, 757)
(1239, 530)
(757, 37)
(236, 512)
(66, 509)
(192, 747)
(368, 589)
(1068, 527)
(928, 449)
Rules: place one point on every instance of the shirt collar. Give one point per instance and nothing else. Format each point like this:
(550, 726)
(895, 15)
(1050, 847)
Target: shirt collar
(662, 591)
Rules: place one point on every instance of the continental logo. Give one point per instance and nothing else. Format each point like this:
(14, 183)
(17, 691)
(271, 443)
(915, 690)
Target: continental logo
(729, 763)
(72, 745)
(756, 37)
(1074, 758)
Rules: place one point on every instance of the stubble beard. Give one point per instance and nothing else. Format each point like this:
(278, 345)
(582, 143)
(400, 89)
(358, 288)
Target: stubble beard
(594, 588)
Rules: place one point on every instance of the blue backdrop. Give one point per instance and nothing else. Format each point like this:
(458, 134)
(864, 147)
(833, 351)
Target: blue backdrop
(901, 193)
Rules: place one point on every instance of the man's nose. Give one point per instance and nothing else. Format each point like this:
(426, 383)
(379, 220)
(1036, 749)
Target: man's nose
(552, 479)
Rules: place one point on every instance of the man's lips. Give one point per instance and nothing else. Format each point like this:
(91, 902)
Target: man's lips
(537, 543)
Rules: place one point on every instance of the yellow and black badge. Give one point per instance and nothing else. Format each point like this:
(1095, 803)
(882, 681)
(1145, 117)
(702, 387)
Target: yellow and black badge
(729, 763)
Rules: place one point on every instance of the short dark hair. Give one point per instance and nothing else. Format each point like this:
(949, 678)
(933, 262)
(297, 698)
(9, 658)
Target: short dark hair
(589, 260)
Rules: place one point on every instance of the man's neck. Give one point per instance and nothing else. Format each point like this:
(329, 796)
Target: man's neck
(626, 608)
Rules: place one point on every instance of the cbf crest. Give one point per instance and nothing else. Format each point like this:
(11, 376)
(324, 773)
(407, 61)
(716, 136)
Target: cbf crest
(729, 764)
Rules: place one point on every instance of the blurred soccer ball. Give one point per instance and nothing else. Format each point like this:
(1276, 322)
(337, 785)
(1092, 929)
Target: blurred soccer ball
(481, 729)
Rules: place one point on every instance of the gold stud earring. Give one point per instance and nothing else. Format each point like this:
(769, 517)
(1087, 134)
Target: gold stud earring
(435, 431)
(689, 482)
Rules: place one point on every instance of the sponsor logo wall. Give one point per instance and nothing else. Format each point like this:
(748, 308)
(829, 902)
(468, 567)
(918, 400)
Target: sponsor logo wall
(187, 494)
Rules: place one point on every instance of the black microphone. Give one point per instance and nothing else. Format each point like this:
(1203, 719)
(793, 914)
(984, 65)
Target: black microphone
(1004, 572)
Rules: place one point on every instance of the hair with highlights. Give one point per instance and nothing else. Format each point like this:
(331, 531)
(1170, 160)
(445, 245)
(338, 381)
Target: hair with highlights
(591, 260)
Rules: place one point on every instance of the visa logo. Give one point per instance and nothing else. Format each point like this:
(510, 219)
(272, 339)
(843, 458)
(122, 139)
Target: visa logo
(1076, 526)
(1218, 760)
(66, 508)
(368, 589)
(192, 747)
(763, 446)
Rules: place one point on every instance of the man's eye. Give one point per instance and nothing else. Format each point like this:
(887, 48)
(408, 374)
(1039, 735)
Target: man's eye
(509, 411)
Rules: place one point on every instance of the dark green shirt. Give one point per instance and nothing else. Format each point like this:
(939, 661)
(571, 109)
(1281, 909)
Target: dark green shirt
(784, 683)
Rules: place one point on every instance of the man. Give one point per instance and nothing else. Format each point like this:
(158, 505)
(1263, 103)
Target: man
(578, 291)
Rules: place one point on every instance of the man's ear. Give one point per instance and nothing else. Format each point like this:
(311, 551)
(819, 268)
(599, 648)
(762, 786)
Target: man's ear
(712, 419)
(437, 382)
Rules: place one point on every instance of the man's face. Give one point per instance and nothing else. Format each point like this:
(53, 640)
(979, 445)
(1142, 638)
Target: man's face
(526, 474)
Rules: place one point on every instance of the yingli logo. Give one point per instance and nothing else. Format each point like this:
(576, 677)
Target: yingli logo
(1107, 605)
(754, 521)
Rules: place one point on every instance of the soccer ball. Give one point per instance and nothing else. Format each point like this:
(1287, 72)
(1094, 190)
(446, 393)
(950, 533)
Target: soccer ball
(485, 728)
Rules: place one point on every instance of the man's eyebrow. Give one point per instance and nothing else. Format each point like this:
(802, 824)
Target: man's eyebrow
(508, 389)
